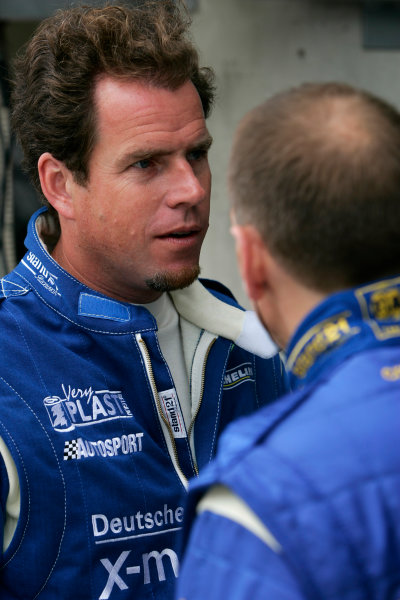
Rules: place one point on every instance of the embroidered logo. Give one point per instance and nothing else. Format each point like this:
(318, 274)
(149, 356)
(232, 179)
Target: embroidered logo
(43, 276)
(385, 304)
(391, 373)
(81, 448)
(82, 407)
(71, 450)
(238, 375)
(173, 413)
(380, 305)
(320, 339)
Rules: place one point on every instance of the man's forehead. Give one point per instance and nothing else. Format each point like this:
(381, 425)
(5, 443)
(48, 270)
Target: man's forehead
(141, 118)
(117, 98)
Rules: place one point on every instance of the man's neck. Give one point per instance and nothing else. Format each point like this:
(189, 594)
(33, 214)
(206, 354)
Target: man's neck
(285, 306)
(142, 296)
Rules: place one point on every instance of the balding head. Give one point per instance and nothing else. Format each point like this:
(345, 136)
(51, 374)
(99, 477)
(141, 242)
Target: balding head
(317, 171)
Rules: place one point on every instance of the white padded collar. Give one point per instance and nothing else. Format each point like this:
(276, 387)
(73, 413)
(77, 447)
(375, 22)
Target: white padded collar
(197, 305)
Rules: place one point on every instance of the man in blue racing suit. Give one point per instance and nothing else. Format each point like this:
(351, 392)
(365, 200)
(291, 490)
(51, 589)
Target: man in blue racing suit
(119, 367)
(303, 499)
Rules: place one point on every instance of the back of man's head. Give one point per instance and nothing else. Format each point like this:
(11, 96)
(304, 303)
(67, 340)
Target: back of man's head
(55, 75)
(316, 170)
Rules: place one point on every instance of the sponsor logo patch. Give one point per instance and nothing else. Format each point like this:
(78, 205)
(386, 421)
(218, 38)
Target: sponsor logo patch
(391, 373)
(321, 338)
(173, 413)
(81, 448)
(380, 305)
(238, 375)
(43, 276)
(139, 524)
(82, 407)
(151, 567)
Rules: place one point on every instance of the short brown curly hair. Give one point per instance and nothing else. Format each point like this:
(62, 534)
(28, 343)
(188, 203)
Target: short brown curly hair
(55, 74)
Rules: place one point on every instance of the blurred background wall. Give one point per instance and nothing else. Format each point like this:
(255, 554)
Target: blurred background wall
(257, 47)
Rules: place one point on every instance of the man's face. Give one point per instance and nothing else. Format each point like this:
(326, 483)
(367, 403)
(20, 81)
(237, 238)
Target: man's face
(140, 220)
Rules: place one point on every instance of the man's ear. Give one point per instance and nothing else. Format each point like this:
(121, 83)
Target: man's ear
(56, 181)
(252, 258)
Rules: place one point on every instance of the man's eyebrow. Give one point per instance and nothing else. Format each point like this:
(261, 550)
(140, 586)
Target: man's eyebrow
(150, 151)
(203, 144)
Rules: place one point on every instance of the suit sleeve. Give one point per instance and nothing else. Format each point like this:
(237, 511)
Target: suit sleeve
(225, 560)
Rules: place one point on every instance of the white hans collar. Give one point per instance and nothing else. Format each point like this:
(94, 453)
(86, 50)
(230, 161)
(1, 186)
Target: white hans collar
(198, 306)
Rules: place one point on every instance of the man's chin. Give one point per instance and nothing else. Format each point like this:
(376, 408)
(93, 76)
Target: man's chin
(168, 282)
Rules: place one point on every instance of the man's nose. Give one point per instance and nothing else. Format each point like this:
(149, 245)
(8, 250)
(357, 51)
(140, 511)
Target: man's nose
(188, 185)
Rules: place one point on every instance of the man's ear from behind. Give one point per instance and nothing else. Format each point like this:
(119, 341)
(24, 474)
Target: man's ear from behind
(252, 256)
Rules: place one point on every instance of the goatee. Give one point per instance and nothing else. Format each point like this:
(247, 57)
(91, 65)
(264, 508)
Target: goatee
(167, 282)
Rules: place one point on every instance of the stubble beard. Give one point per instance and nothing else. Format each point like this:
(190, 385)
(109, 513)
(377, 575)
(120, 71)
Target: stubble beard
(168, 282)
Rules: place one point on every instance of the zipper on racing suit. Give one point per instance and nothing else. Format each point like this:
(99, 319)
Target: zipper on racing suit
(166, 427)
(209, 345)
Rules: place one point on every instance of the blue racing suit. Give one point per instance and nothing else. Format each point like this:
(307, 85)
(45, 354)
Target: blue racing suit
(318, 472)
(91, 419)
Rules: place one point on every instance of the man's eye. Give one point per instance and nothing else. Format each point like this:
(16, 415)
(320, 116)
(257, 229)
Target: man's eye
(145, 163)
(197, 154)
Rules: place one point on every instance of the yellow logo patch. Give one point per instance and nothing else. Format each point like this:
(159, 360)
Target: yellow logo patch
(318, 340)
(380, 307)
(391, 373)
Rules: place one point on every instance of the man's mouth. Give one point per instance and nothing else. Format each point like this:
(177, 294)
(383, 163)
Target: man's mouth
(181, 234)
